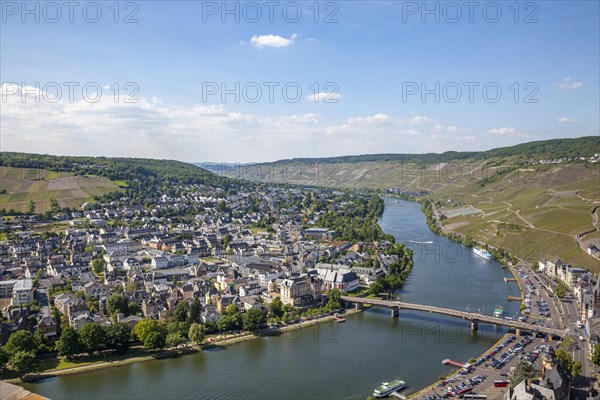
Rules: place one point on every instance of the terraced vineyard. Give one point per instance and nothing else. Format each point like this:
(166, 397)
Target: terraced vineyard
(532, 210)
(18, 186)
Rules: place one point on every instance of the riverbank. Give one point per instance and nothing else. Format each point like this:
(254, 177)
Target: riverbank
(501, 255)
(433, 221)
(227, 340)
(434, 386)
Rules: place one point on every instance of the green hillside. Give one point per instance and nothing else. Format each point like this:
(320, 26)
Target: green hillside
(505, 197)
(554, 148)
(73, 181)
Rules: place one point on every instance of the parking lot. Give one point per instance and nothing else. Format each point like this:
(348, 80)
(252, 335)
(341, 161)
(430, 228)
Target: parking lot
(489, 374)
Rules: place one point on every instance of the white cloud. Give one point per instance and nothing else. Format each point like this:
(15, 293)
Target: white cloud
(324, 97)
(419, 119)
(275, 41)
(563, 120)
(502, 131)
(568, 83)
(507, 132)
(374, 119)
(441, 128)
(152, 128)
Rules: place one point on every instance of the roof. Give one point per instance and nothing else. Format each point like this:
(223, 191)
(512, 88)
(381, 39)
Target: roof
(14, 392)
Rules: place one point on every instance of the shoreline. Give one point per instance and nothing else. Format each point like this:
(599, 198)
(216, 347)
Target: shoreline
(445, 234)
(40, 376)
(434, 384)
(248, 337)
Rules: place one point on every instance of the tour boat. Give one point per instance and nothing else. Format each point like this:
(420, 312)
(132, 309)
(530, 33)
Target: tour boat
(388, 388)
(482, 253)
(498, 312)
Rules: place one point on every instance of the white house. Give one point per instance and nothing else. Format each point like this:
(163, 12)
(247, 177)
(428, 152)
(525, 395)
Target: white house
(19, 290)
(159, 262)
(95, 290)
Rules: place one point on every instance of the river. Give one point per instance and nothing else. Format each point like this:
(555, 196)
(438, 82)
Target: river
(332, 361)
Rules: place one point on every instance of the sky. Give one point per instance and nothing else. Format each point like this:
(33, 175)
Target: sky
(243, 81)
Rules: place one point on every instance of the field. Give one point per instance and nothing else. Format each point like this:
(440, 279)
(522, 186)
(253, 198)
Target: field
(20, 185)
(533, 212)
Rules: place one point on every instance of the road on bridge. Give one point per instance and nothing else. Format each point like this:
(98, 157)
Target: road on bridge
(473, 317)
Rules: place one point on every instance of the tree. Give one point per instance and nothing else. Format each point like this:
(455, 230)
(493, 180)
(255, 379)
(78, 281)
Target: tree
(22, 361)
(133, 308)
(377, 286)
(564, 358)
(276, 308)
(175, 339)
(560, 290)
(333, 302)
(154, 341)
(92, 337)
(182, 311)
(4, 356)
(255, 320)
(231, 310)
(41, 338)
(181, 328)
(144, 327)
(576, 369)
(54, 206)
(98, 265)
(68, 345)
(194, 314)
(30, 209)
(116, 303)
(118, 337)
(229, 322)
(596, 355)
(21, 341)
(197, 333)
(523, 370)
(57, 318)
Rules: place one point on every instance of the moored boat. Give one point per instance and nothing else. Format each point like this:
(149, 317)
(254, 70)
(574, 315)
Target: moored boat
(388, 388)
(482, 253)
(499, 312)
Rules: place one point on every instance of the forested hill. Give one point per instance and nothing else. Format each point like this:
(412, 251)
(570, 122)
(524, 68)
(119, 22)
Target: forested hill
(585, 146)
(139, 173)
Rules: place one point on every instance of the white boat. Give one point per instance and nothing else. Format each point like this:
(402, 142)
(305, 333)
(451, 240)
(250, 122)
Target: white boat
(499, 312)
(337, 318)
(388, 388)
(482, 253)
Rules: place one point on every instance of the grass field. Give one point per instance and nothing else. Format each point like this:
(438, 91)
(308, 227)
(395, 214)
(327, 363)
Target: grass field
(21, 185)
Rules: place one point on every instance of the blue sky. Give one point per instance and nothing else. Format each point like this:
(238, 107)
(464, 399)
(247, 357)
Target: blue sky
(370, 54)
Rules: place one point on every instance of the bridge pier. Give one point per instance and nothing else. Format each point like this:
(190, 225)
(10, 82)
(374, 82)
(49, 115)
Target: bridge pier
(474, 325)
(473, 318)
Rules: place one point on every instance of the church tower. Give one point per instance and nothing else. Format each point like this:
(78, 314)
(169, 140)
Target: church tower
(548, 360)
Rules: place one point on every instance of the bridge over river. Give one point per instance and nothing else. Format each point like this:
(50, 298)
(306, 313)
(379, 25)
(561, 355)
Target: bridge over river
(474, 318)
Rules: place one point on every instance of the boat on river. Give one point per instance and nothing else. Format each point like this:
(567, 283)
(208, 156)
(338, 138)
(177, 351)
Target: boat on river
(499, 312)
(482, 253)
(388, 388)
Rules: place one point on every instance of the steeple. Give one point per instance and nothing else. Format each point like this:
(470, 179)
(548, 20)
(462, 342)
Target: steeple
(548, 360)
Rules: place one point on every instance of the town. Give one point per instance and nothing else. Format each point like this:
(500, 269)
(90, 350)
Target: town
(192, 262)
